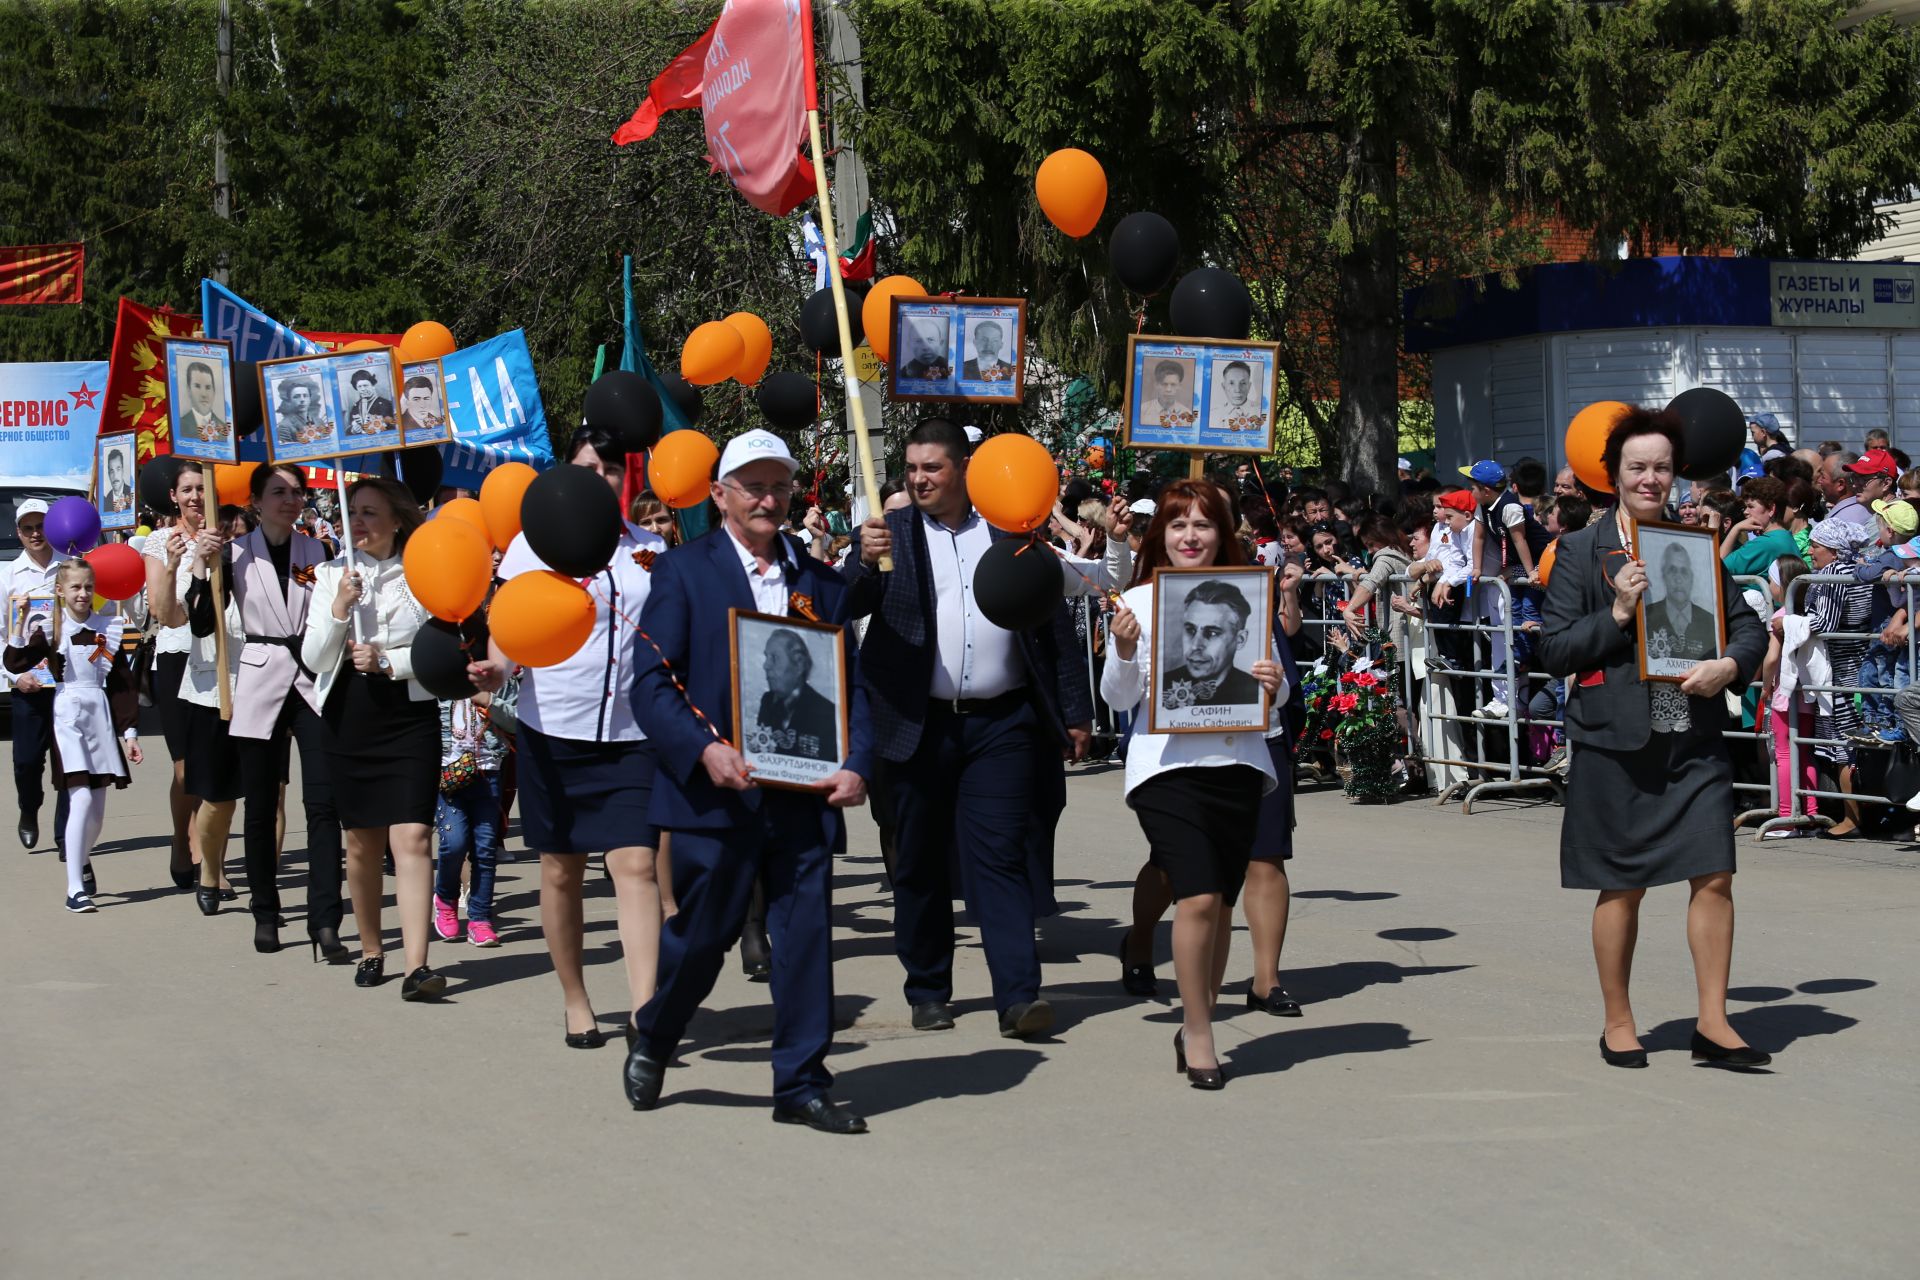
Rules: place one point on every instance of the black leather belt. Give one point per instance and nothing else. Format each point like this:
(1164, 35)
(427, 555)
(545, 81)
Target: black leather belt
(290, 643)
(1000, 704)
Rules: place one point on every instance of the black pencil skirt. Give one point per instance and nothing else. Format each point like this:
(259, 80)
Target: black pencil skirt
(1200, 823)
(383, 752)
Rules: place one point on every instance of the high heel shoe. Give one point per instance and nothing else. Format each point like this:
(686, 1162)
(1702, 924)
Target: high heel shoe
(371, 971)
(1135, 979)
(591, 1038)
(1719, 1055)
(1207, 1078)
(327, 945)
(208, 900)
(266, 935)
(1621, 1057)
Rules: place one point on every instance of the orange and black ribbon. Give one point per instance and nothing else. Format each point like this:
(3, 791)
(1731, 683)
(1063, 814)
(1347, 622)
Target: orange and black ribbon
(303, 574)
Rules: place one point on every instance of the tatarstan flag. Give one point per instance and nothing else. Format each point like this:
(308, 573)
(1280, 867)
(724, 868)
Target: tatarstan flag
(136, 379)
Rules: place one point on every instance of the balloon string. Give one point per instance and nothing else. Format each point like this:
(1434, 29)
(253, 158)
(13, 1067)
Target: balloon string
(667, 666)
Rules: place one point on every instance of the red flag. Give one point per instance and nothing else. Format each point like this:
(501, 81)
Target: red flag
(42, 273)
(752, 76)
(137, 381)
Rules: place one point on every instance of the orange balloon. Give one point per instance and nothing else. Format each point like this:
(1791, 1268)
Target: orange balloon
(448, 567)
(681, 467)
(233, 484)
(1013, 482)
(1073, 190)
(428, 340)
(712, 354)
(500, 495)
(876, 313)
(364, 344)
(756, 346)
(540, 618)
(468, 509)
(1587, 439)
(1547, 557)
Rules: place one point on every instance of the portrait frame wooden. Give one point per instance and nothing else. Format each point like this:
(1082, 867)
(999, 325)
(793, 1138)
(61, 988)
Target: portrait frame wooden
(962, 316)
(113, 444)
(1170, 712)
(1207, 361)
(771, 767)
(1652, 538)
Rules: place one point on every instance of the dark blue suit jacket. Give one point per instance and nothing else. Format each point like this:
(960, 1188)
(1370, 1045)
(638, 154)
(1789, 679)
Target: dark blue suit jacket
(897, 656)
(693, 588)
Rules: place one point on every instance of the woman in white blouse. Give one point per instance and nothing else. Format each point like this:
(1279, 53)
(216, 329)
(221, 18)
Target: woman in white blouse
(1197, 795)
(383, 728)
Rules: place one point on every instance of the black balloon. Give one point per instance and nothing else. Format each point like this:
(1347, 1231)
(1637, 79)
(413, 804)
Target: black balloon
(1211, 303)
(1715, 431)
(156, 484)
(246, 397)
(1144, 251)
(418, 469)
(821, 330)
(572, 520)
(788, 400)
(626, 404)
(440, 661)
(1017, 584)
(685, 396)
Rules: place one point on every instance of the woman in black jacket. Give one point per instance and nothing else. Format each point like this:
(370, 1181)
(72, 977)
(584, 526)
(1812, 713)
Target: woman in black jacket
(1650, 797)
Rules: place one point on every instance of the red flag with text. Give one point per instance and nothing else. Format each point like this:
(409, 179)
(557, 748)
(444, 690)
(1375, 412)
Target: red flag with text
(41, 274)
(751, 75)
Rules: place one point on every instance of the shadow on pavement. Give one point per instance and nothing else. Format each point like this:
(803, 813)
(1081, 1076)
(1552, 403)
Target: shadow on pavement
(1335, 981)
(1415, 935)
(880, 1087)
(1342, 895)
(1284, 1049)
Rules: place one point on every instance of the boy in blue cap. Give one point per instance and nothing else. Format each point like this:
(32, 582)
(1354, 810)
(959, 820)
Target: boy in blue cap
(1511, 550)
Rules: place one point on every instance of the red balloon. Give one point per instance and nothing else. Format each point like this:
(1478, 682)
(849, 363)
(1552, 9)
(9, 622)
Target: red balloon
(118, 571)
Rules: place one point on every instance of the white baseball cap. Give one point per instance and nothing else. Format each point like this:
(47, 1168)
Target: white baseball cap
(1143, 507)
(31, 507)
(1405, 465)
(755, 446)
(974, 434)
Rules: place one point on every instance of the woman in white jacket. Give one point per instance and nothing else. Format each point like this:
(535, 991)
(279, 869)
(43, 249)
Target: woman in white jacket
(1197, 795)
(383, 728)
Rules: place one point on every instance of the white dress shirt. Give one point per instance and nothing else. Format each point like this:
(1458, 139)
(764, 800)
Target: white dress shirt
(387, 617)
(1125, 682)
(972, 658)
(1454, 551)
(769, 588)
(589, 697)
(22, 577)
(172, 639)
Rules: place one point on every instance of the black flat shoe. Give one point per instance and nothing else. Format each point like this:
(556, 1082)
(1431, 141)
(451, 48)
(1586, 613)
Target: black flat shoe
(1621, 1057)
(371, 971)
(208, 900)
(1135, 979)
(423, 984)
(1027, 1019)
(1276, 1002)
(1208, 1079)
(588, 1039)
(266, 935)
(934, 1015)
(1718, 1055)
(229, 895)
(642, 1077)
(822, 1113)
(327, 945)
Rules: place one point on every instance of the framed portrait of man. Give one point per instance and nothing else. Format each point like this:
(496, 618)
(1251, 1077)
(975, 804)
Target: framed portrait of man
(1209, 627)
(966, 349)
(1682, 621)
(1200, 395)
(200, 398)
(789, 699)
(30, 611)
(423, 403)
(113, 477)
(332, 405)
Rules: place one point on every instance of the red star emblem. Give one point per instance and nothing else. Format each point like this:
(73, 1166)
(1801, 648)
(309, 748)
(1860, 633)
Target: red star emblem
(84, 397)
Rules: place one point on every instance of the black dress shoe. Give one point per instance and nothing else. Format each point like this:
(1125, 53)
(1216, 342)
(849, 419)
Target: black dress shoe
(1276, 1002)
(934, 1015)
(642, 1077)
(1621, 1057)
(588, 1039)
(327, 945)
(266, 935)
(1718, 1055)
(822, 1113)
(371, 971)
(423, 984)
(229, 895)
(1033, 1018)
(208, 900)
(1135, 979)
(29, 832)
(756, 956)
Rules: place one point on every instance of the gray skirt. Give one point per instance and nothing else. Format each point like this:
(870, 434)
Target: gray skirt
(1659, 815)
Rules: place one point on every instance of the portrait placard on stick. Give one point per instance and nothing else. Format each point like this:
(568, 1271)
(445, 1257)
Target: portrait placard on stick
(200, 398)
(967, 349)
(1200, 395)
(113, 480)
(331, 405)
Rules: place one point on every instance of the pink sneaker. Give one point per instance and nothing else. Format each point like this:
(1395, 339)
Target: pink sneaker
(480, 933)
(446, 919)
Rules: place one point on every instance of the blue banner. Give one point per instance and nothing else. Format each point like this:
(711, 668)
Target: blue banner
(494, 406)
(49, 419)
(255, 335)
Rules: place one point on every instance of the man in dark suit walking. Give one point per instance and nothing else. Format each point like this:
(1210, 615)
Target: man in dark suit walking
(726, 830)
(965, 713)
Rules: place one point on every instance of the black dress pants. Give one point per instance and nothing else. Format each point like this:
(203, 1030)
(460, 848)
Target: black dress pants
(263, 767)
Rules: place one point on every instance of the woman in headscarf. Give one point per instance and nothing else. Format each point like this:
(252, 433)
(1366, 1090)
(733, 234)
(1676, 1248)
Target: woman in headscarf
(1833, 610)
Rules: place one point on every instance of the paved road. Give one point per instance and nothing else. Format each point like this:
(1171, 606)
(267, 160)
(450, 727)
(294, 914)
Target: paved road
(175, 1105)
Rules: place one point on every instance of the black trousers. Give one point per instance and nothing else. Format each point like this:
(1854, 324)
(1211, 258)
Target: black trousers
(32, 745)
(263, 766)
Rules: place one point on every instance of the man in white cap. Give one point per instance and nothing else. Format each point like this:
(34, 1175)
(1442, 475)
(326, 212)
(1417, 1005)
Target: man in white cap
(29, 578)
(726, 830)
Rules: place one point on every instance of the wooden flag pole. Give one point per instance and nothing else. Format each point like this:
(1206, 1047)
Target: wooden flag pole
(848, 380)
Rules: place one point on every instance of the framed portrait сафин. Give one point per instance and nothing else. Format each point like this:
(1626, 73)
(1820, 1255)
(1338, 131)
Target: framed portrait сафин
(113, 476)
(789, 698)
(330, 405)
(1681, 615)
(200, 398)
(1200, 395)
(1209, 627)
(423, 403)
(968, 349)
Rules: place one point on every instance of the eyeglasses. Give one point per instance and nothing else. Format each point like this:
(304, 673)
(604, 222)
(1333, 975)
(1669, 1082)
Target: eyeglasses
(761, 492)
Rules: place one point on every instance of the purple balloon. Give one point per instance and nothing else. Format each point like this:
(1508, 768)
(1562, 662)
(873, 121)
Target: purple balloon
(73, 526)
